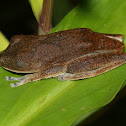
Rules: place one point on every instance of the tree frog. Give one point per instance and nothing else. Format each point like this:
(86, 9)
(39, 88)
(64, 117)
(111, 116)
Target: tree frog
(66, 55)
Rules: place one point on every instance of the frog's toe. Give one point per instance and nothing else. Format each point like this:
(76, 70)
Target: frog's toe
(7, 78)
(60, 78)
(13, 85)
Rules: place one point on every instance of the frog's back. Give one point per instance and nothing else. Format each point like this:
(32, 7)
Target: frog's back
(29, 53)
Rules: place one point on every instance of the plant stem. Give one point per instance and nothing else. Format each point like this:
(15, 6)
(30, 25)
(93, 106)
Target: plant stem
(45, 19)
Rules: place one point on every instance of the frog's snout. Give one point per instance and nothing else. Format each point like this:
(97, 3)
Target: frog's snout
(1, 60)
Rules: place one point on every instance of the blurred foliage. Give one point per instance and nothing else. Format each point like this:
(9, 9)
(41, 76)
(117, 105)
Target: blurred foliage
(36, 7)
(3, 42)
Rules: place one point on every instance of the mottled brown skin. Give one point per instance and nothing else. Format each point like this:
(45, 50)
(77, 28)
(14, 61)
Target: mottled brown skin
(68, 55)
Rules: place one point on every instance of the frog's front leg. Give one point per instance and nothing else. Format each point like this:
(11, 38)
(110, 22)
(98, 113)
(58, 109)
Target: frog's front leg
(48, 73)
(92, 65)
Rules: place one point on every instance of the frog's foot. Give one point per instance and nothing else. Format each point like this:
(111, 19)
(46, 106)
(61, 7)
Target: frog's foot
(76, 76)
(23, 80)
(20, 79)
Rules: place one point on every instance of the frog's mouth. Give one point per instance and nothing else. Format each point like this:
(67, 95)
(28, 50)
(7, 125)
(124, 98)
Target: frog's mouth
(16, 71)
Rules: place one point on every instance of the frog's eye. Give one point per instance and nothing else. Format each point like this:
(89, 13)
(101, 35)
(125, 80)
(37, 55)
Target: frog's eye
(16, 39)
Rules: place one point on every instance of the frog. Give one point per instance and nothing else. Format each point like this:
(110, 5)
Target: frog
(74, 54)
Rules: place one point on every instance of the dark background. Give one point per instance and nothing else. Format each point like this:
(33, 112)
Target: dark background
(16, 17)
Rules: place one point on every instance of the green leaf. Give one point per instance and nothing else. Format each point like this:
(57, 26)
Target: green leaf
(36, 6)
(53, 103)
(3, 42)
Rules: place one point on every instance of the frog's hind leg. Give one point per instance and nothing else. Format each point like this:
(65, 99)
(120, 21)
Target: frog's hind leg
(48, 73)
(81, 70)
(87, 74)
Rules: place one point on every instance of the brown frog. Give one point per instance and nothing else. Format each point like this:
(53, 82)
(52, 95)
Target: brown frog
(67, 55)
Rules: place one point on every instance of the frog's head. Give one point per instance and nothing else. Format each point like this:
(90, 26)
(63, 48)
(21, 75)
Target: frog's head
(8, 62)
(7, 55)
